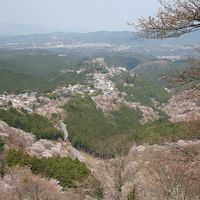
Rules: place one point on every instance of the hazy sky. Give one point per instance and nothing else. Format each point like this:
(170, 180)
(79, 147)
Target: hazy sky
(76, 15)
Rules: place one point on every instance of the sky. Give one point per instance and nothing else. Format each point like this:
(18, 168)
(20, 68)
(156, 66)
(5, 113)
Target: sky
(77, 15)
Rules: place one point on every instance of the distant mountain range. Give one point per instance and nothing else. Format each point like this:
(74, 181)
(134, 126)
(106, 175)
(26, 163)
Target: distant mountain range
(13, 33)
(8, 29)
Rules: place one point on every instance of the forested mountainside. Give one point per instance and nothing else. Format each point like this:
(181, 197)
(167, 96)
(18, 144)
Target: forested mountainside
(91, 122)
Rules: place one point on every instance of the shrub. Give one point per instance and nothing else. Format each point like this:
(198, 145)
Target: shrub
(53, 96)
(98, 192)
(40, 126)
(65, 170)
(1, 144)
(132, 195)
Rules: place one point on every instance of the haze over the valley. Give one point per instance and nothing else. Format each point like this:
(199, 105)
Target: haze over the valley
(71, 16)
(91, 111)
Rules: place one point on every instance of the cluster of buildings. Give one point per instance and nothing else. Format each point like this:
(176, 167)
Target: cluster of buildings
(111, 70)
(27, 101)
(73, 70)
(74, 89)
(99, 61)
(100, 82)
(116, 70)
(173, 58)
(103, 84)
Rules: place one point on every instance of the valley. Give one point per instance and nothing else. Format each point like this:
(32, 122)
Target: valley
(85, 118)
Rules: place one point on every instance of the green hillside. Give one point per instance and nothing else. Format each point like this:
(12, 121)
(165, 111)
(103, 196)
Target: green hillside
(141, 89)
(91, 131)
(107, 136)
(37, 70)
(39, 66)
(156, 69)
(40, 126)
(20, 82)
(119, 60)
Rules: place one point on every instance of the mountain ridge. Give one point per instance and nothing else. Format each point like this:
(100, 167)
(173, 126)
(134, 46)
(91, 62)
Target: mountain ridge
(110, 37)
